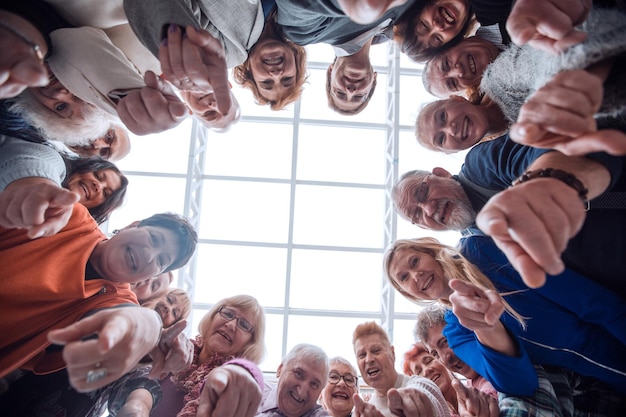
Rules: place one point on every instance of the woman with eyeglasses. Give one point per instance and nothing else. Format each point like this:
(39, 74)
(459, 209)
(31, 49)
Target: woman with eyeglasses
(343, 383)
(231, 335)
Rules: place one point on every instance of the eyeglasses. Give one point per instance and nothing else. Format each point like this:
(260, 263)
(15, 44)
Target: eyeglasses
(228, 315)
(349, 379)
(421, 196)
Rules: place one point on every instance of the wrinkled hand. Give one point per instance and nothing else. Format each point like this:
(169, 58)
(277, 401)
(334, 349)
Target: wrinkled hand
(409, 402)
(196, 62)
(229, 391)
(174, 352)
(364, 409)
(474, 403)
(124, 336)
(153, 108)
(36, 204)
(548, 24)
(367, 11)
(138, 404)
(532, 223)
(475, 308)
(20, 68)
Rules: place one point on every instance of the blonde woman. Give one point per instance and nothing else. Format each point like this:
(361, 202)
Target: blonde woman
(551, 325)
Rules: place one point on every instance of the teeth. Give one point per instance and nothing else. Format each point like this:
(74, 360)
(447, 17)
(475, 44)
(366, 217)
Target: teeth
(446, 15)
(465, 127)
(472, 64)
(273, 61)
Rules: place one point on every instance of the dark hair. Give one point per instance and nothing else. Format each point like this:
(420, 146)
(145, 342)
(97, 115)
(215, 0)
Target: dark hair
(81, 165)
(405, 37)
(333, 105)
(242, 73)
(184, 231)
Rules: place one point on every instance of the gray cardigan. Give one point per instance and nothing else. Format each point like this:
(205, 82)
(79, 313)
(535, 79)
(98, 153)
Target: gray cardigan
(520, 70)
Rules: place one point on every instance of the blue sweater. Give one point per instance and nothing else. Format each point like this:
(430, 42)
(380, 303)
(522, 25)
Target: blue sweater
(571, 321)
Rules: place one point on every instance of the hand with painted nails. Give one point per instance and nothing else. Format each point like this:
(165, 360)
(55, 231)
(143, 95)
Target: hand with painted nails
(193, 60)
(548, 24)
(151, 109)
(37, 204)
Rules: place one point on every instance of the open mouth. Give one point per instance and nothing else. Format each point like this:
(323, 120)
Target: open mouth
(465, 128)
(428, 282)
(273, 61)
(373, 372)
(341, 395)
(447, 15)
(85, 190)
(444, 212)
(225, 336)
(472, 64)
(296, 398)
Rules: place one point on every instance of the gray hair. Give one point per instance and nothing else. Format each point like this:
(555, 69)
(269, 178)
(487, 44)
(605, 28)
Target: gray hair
(395, 191)
(433, 315)
(344, 361)
(307, 351)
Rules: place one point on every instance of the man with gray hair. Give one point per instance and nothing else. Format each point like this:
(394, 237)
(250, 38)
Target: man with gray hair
(301, 376)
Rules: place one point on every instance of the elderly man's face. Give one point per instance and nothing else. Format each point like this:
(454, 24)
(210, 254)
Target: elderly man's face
(376, 362)
(60, 100)
(435, 201)
(300, 383)
(437, 343)
(113, 146)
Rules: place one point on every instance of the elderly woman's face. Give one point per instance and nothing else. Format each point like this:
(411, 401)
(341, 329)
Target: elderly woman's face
(273, 66)
(427, 366)
(151, 288)
(337, 398)
(441, 21)
(226, 336)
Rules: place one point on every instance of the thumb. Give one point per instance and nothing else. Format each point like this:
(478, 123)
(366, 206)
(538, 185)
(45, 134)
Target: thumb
(113, 331)
(178, 110)
(78, 330)
(65, 198)
(152, 81)
(219, 381)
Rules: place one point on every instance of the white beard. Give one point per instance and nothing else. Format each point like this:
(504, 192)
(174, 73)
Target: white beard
(71, 132)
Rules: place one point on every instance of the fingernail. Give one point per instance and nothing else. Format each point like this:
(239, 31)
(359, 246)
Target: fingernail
(38, 234)
(164, 42)
(173, 27)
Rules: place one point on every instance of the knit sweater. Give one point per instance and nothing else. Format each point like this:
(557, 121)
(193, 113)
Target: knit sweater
(521, 70)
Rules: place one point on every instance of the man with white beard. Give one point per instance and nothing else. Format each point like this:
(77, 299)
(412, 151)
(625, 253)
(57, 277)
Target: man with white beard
(58, 115)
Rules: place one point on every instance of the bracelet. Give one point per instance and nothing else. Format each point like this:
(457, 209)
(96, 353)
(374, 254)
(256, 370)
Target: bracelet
(566, 177)
(36, 49)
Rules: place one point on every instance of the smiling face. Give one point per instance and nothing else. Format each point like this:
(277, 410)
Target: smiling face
(460, 67)
(441, 21)
(427, 366)
(452, 125)
(60, 100)
(376, 362)
(419, 274)
(337, 398)
(225, 336)
(151, 288)
(435, 202)
(170, 308)
(135, 254)
(351, 81)
(300, 383)
(273, 66)
(204, 106)
(113, 146)
(437, 343)
(94, 188)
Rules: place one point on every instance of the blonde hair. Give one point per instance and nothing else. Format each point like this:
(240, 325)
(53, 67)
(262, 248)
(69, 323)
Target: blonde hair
(185, 303)
(454, 265)
(370, 328)
(255, 349)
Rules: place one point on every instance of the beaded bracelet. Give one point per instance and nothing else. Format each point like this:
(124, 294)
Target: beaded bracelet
(566, 177)
(36, 49)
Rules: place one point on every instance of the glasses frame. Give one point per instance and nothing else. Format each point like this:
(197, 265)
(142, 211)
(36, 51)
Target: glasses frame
(354, 384)
(235, 317)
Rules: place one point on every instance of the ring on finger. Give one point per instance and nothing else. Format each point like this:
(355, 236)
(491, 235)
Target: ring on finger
(96, 374)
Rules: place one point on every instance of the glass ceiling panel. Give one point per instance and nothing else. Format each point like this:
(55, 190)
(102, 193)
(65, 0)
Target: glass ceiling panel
(226, 270)
(329, 280)
(245, 211)
(337, 216)
(341, 154)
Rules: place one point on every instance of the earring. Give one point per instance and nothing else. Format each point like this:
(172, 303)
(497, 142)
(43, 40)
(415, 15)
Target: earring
(116, 231)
